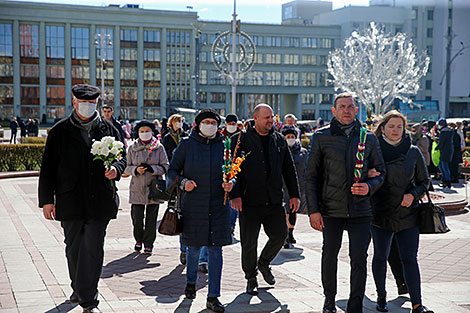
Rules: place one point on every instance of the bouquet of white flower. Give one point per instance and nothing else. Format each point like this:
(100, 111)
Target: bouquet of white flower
(107, 149)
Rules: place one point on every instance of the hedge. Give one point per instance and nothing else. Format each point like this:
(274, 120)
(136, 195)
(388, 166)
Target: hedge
(34, 140)
(20, 157)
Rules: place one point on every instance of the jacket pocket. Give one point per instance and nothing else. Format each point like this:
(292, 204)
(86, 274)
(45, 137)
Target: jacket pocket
(65, 185)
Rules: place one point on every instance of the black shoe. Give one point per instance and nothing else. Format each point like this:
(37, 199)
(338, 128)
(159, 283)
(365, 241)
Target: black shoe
(252, 286)
(91, 309)
(138, 247)
(431, 187)
(203, 268)
(291, 236)
(190, 291)
(183, 258)
(329, 306)
(382, 304)
(74, 298)
(267, 274)
(148, 250)
(287, 244)
(421, 309)
(402, 289)
(214, 304)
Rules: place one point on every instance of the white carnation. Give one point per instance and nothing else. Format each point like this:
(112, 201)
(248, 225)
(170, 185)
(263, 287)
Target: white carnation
(115, 150)
(107, 140)
(118, 144)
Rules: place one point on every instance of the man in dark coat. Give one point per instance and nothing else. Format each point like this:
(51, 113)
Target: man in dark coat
(335, 202)
(13, 129)
(446, 149)
(107, 111)
(79, 192)
(257, 194)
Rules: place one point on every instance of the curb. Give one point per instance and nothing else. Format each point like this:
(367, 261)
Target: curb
(4, 175)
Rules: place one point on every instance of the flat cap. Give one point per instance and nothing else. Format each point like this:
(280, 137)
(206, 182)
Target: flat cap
(86, 92)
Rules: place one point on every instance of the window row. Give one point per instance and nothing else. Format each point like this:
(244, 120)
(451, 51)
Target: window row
(276, 58)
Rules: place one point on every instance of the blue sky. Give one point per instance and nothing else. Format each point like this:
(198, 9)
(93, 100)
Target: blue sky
(258, 11)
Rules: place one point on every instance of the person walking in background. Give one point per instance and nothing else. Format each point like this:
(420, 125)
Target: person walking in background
(446, 149)
(335, 202)
(257, 194)
(456, 155)
(13, 130)
(22, 129)
(290, 122)
(146, 159)
(78, 191)
(420, 140)
(396, 210)
(197, 164)
(299, 154)
(171, 141)
(107, 112)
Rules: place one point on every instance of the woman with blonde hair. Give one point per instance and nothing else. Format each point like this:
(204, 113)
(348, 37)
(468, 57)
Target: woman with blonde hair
(395, 207)
(174, 135)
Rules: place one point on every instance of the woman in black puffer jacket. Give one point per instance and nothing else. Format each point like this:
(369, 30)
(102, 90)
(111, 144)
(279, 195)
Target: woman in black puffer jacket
(395, 207)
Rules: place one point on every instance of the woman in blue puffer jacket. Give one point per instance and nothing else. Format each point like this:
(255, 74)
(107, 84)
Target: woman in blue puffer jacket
(197, 164)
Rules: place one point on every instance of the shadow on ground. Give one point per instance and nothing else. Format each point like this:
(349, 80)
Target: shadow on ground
(132, 262)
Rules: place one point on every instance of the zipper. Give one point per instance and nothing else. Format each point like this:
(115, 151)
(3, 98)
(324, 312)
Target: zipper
(349, 171)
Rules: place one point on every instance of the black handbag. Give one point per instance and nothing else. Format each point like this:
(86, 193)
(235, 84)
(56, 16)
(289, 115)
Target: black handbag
(432, 218)
(172, 221)
(157, 190)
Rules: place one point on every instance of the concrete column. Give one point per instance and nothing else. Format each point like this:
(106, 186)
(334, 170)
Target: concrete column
(163, 82)
(117, 70)
(16, 69)
(228, 99)
(192, 85)
(92, 55)
(68, 69)
(140, 73)
(42, 70)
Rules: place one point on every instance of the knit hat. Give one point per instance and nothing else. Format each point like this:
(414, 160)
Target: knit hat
(442, 122)
(207, 113)
(287, 131)
(231, 118)
(144, 123)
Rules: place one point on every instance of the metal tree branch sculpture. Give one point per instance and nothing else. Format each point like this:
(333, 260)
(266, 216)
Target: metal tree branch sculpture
(378, 68)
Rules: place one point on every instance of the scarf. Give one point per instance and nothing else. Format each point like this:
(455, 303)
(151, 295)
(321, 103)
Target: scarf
(347, 129)
(391, 152)
(85, 126)
(391, 142)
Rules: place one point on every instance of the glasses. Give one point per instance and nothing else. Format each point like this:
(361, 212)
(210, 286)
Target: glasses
(214, 123)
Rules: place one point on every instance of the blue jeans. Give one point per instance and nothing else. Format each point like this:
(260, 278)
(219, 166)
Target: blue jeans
(444, 168)
(214, 267)
(202, 258)
(408, 242)
(233, 217)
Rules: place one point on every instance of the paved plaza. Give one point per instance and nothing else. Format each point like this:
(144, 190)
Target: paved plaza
(34, 278)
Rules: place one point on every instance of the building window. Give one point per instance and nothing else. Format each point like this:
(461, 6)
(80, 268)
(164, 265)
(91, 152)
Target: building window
(6, 95)
(254, 78)
(259, 58)
(326, 43)
(429, 33)
(55, 95)
(151, 97)
(218, 97)
(309, 42)
(428, 84)
(273, 58)
(291, 59)
(152, 55)
(309, 60)
(151, 36)
(6, 40)
(326, 98)
(151, 74)
(273, 41)
(326, 114)
(308, 114)
(258, 40)
(308, 98)
(55, 42)
(203, 77)
(128, 35)
(217, 78)
(273, 78)
(108, 51)
(203, 96)
(324, 80)
(80, 43)
(309, 79)
(288, 12)
(430, 15)
(291, 79)
(291, 42)
(322, 60)
(29, 40)
(29, 95)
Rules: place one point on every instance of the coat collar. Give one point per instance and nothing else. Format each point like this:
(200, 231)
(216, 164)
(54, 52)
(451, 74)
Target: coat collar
(251, 128)
(337, 131)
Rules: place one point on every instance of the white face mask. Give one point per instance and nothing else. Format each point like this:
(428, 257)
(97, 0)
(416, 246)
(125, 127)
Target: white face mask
(146, 136)
(291, 141)
(232, 128)
(86, 109)
(208, 130)
(179, 125)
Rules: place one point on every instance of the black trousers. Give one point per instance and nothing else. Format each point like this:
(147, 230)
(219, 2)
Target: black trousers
(145, 232)
(395, 262)
(359, 238)
(13, 137)
(84, 241)
(273, 219)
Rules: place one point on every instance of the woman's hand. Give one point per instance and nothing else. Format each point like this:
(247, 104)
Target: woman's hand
(360, 189)
(407, 200)
(141, 170)
(227, 186)
(190, 185)
(372, 173)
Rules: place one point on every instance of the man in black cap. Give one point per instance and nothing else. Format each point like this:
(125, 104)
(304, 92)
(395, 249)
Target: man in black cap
(79, 192)
(257, 194)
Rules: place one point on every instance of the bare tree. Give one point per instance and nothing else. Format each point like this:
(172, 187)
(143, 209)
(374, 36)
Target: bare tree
(378, 68)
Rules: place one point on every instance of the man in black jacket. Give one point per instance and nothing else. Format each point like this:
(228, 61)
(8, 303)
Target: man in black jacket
(79, 191)
(107, 111)
(257, 194)
(335, 202)
(446, 149)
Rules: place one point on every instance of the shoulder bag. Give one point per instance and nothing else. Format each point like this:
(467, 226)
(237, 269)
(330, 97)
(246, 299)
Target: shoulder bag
(432, 218)
(172, 221)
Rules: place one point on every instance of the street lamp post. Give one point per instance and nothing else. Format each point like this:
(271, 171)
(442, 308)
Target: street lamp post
(102, 41)
(234, 58)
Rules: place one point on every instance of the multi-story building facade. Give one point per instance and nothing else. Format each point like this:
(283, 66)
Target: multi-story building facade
(429, 23)
(150, 62)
